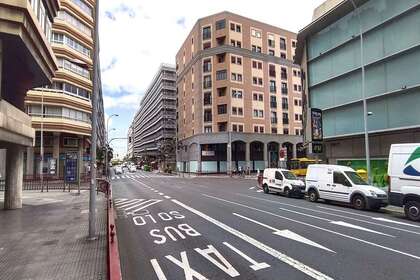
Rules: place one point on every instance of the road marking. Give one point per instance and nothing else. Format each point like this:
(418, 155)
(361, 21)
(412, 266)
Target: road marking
(259, 190)
(158, 270)
(118, 177)
(395, 222)
(119, 200)
(189, 273)
(251, 188)
(112, 178)
(161, 193)
(143, 205)
(220, 262)
(332, 214)
(254, 265)
(278, 255)
(167, 197)
(287, 234)
(317, 227)
(156, 191)
(128, 202)
(339, 223)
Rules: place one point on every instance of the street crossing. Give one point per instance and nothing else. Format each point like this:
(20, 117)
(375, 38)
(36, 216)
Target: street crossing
(140, 176)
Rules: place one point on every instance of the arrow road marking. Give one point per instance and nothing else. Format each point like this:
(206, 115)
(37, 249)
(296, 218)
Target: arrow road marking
(317, 227)
(340, 223)
(276, 254)
(395, 222)
(287, 234)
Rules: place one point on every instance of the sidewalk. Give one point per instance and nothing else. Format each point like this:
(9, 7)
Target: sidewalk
(46, 239)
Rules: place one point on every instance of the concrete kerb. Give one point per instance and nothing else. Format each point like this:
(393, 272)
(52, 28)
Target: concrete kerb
(114, 263)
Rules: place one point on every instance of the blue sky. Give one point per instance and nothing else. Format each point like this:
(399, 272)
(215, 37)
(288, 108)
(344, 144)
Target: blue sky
(137, 36)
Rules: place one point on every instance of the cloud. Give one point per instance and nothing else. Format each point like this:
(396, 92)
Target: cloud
(109, 15)
(181, 22)
(129, 101)
(110, 65)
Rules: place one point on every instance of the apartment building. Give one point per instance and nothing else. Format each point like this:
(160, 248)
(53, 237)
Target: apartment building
(61, 112)
(239, 96)
(26, 61)
(154, 124)
(330, 57)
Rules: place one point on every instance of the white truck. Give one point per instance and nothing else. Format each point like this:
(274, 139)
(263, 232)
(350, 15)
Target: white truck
(404, 178)
(282, 181)
(343, 184)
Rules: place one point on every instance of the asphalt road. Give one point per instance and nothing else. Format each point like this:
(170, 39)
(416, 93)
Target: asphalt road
(223, 228)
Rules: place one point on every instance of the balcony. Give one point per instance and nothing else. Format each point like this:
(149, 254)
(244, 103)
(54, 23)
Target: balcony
(273, 89)
(284, 90)
(274, 120)
(206, 67)
(207, 84)
(285, 106)
(273, 104)
(285, 121)
(207, 101)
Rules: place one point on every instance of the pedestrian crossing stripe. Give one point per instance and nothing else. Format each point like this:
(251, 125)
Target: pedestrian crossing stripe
(140, 176)
(135, 205)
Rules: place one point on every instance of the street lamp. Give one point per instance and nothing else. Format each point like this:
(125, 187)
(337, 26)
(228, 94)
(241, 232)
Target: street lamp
(365, 112)
(107, 143)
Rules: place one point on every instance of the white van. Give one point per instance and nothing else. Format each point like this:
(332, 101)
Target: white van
(282, 181)
(404, 178)
(343, 184)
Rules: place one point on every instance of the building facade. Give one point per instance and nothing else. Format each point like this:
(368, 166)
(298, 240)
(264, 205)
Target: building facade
(154, 124)
(239, 95)
(26, 61)
(329, 50)
(61, 112)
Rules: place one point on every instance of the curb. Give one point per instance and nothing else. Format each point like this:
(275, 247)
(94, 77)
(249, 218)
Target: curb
(394, 210)
(114, 265)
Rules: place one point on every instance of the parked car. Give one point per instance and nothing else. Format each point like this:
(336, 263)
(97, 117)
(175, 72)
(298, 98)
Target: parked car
(343, 184)
(404, 178)
(118, 169)
(282, 181)
(132, 168)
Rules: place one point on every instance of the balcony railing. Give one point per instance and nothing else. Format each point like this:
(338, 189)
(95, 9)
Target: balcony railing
(207, 68)
(273, 104)
(273, 89)
(285, 106)
(207, 101)
(274, 120)
(55, 116)
(285, 121)
(284, 90)
(207, 84)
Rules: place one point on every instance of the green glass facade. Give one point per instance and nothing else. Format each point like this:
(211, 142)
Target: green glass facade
(391, 31)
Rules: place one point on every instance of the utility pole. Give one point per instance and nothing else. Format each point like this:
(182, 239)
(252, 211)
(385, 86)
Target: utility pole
(41, 152)
(92, 197)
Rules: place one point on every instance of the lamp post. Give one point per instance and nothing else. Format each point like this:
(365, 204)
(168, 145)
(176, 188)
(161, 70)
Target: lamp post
(107, 143)
(107, 149)
(365, 112)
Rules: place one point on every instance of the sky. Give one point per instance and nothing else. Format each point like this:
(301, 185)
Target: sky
(137, 36)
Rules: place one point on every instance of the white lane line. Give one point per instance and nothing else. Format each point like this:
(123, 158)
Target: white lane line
(339, 223)
(260, 191)
(122, 177)
(317, 227)
(156, 191)
(112, 178)
(341, 216)
(395, 222)
(161, 193)
(251, 188)
(347, 212)
(286, 233)
(278, 255)
(167, 197)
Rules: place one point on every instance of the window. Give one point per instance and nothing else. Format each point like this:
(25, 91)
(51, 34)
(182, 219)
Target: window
(59, 38)
(273, 117)
(207, 82)
(258, 113)
(83, 6)
(207, 115)
(271, 52)
(296, 102)
(236, 93)
(294, 73)
(273, 87)
(285, 118)
(240, 111)
(234, 127)
(256, 49)
(234, 110)
(285, 103)
(339, 178)
(285, 131)
(220, 24)
(64, 63)
(294, 44)
(207, 129)
(299, 88)
(283, 55)
(222, 109)
(273, 101)
(235, 43)
(221, 75)
(206, 45)
(295, 87)
(221, 57)
(221, 92)
(284, 88)
(207, 98)
(206, 33)
(65, 16)
(282, 44)
(255, 33)
(70, 142)
(237, 111)
(297, 131)
(283, 73)
(236, 60)
(236, 77)
(257, 81)
(271, 70)
(206, 66)
(256, 129)
(274, 130)
(256, 64)
(271, 41)
(222, 126)
(296, 117)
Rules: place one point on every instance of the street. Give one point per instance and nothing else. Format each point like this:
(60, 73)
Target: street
(171, 227)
